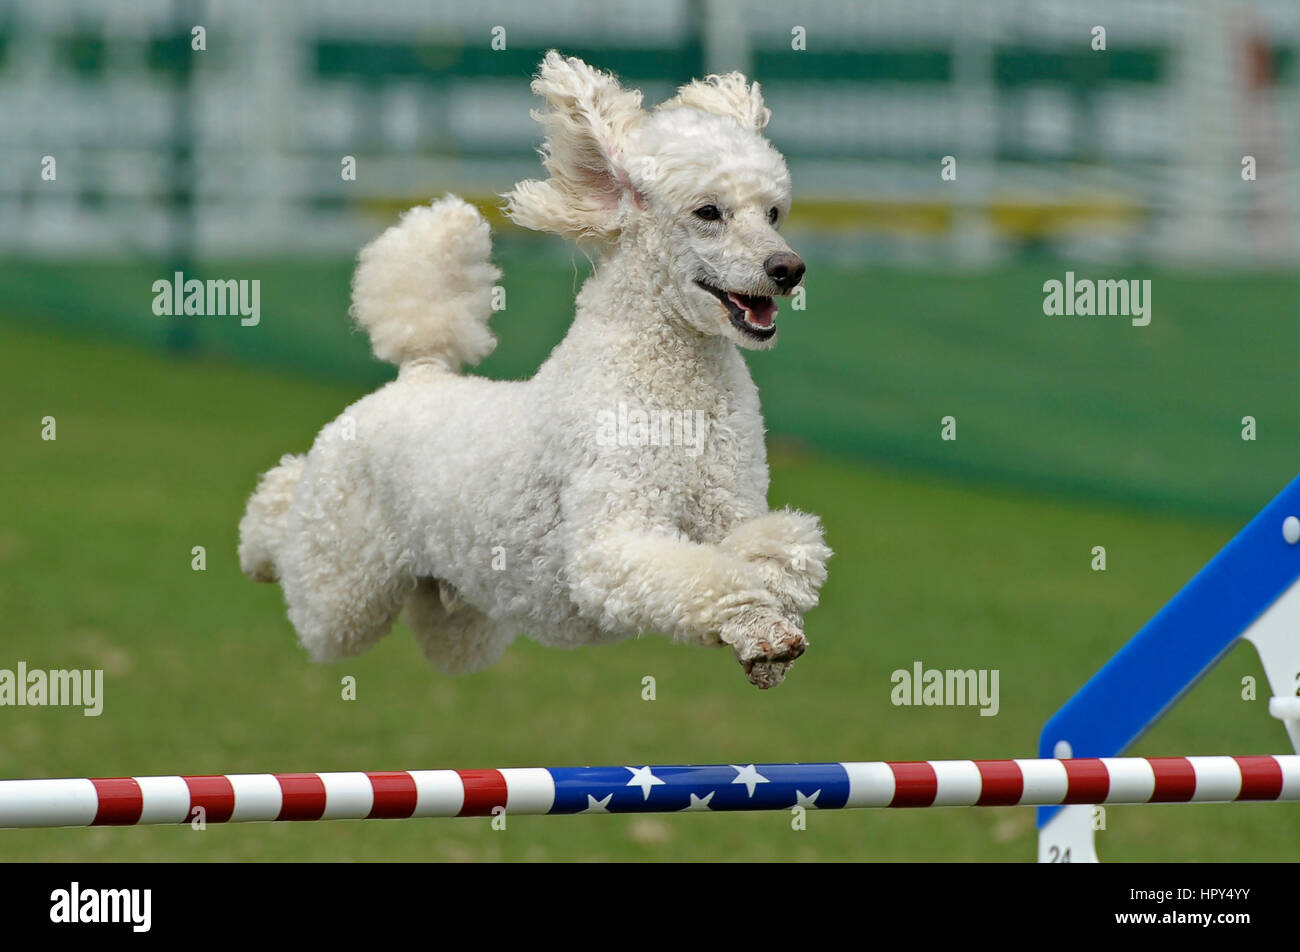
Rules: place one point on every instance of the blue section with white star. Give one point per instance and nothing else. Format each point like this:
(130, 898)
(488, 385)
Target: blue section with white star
(729, 787)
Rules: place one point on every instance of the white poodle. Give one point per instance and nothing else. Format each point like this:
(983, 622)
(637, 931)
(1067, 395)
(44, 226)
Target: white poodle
(620, 490)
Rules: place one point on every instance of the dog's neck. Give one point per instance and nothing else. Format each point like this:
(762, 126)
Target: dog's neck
(627, 318)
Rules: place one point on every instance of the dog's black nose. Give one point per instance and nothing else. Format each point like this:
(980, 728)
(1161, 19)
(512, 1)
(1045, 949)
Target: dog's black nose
(785, 268)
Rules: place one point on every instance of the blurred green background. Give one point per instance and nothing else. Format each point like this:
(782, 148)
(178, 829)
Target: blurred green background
(924, 300)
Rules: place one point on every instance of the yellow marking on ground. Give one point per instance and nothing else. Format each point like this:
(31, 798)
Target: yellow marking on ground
(1025, 218)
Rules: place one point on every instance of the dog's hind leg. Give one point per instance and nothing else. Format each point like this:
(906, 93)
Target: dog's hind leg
(262, 530)
(343, 573)
(456, 637)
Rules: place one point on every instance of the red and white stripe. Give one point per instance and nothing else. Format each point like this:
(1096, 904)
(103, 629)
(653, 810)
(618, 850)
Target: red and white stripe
(987, 783)
(522, 791)
(234, 798)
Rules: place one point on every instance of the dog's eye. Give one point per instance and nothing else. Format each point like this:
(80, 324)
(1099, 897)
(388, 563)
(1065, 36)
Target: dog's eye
(708, 212)
(772, 215)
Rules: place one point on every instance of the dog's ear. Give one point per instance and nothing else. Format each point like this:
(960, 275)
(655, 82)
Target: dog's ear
(729, 95)
(588, 120)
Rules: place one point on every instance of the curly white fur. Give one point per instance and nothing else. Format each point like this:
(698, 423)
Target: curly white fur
(423, 289)
(727, 95)
(489, 509)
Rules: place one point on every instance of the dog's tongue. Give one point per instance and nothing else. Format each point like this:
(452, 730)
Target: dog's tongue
(759, 311)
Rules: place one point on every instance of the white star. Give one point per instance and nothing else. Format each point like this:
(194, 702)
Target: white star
(749, 776)
(643, 778)
(807, 802)
(697, 804)
(597, 806)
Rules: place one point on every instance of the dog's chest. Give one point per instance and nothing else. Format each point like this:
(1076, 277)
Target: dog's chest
(701, 463)
(686, 440)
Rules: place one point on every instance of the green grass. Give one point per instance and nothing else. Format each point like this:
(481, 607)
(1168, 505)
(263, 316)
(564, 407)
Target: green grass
(202, 672)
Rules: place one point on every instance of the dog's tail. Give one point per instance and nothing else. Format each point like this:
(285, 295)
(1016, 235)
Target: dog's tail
(263, 529)
(423, 289)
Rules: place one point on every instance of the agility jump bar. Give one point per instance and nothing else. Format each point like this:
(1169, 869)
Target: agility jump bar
(233, 798)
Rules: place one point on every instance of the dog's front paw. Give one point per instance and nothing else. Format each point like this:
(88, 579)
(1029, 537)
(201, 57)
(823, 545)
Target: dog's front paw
(767, 674)
(766, 645)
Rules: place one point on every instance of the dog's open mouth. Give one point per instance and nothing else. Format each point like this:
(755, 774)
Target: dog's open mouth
(751, 314)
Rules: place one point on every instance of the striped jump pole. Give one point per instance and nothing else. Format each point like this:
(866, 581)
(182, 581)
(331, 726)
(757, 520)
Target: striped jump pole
(1249, 591)
(233, 798)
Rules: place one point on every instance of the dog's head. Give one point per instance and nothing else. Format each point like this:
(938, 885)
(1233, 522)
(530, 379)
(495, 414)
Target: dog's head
(693, 187)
